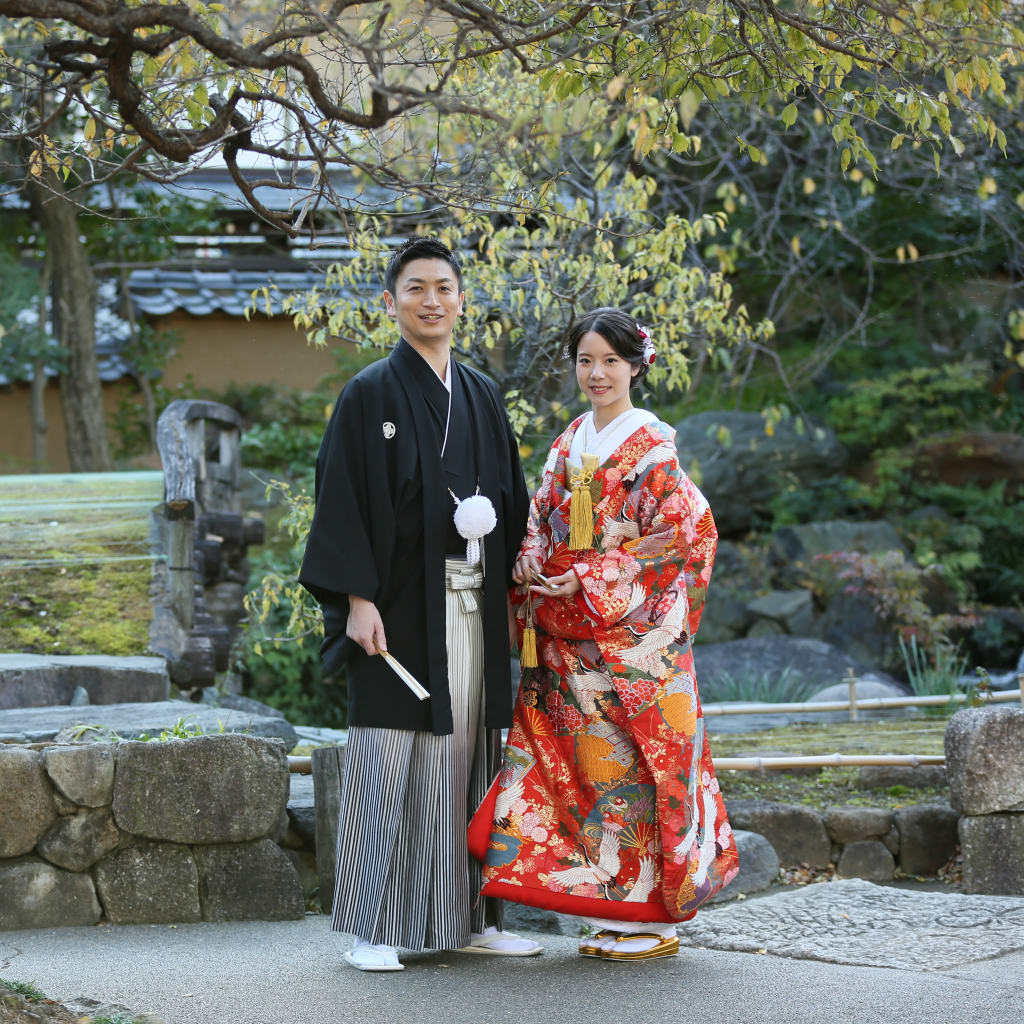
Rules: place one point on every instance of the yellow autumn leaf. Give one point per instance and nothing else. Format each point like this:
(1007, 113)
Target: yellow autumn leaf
(794, 244)
(615, 86)
(89, 131)
(901, 254)
(809, 186)
(912, 251)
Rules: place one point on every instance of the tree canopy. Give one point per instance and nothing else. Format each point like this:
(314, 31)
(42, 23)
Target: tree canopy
(459, 101)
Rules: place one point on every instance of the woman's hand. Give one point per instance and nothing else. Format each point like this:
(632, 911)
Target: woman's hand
(561, 586)
(526, 567)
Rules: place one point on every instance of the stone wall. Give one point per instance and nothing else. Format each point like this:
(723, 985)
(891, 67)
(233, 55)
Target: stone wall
(873, 843)
(985, 764)
(138, 833)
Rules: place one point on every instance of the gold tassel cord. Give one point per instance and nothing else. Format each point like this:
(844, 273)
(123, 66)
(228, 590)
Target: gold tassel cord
(581, 505)
(528, 650)
(528, 655)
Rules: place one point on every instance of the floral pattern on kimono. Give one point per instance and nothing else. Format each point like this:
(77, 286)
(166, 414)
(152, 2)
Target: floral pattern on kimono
(607, 803)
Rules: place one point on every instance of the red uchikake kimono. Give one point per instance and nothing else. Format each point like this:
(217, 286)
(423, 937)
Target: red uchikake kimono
(607, 803)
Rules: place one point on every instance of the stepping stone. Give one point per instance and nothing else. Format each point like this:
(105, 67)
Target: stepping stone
(39, 680)
(130, 721)
(859, 923)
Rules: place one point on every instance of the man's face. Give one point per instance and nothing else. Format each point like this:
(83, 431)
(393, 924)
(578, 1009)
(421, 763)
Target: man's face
(426, 301)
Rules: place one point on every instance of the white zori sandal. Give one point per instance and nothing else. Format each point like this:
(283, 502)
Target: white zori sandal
(491, 942)
(365, 956)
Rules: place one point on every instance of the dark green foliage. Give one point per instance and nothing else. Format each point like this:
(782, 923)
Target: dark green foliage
(830, 497)
(903, 407)
(286, 673)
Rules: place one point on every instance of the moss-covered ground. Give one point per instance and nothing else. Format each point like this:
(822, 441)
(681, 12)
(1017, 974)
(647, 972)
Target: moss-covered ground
(907, 734)
(75, 562)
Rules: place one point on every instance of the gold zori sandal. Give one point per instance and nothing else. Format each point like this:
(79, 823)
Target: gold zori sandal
(592, 944)
(665, 947)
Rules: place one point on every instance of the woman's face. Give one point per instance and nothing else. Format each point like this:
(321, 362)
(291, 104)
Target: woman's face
(603, 376)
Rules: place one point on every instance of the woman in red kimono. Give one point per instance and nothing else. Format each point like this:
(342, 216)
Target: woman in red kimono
(607, 805)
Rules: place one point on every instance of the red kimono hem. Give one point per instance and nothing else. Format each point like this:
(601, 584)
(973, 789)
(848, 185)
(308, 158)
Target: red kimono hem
(582, 906)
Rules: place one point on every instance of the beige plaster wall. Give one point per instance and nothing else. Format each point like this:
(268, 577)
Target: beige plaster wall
(216, 350)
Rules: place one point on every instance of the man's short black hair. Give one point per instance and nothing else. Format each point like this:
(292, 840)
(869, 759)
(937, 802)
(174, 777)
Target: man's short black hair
(419, 249)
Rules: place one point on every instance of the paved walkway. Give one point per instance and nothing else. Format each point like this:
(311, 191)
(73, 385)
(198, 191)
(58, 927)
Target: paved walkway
(292, 973)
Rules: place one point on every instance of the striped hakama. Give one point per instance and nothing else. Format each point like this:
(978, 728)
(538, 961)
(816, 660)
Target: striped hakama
(404, 874)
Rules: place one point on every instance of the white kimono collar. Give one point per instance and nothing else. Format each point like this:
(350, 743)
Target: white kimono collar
(604, 443)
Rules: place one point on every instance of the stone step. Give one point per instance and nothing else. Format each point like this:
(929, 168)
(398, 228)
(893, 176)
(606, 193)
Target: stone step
(41, 680)
(129, 721)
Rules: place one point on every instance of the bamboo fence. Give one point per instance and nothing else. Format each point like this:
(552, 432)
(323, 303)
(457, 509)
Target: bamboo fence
(854, 704)
(303, 765)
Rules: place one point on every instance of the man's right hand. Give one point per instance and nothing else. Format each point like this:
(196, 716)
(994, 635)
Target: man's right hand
(365, 626)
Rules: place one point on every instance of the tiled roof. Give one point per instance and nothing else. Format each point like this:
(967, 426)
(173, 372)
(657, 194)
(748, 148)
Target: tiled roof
(158, 292)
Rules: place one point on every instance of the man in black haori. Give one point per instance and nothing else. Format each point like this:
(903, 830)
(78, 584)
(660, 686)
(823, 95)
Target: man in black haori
(420, 509)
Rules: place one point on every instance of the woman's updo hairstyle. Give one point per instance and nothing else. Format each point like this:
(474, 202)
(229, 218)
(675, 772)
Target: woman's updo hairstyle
(620, 330)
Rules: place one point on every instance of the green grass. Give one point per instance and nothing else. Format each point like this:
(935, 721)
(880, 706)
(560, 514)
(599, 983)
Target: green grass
(23, 988)
(75, 564)
(758, 687)
(915, 734)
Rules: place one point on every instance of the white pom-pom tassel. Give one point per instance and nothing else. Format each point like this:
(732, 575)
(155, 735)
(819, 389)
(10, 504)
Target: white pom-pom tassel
(474, 518)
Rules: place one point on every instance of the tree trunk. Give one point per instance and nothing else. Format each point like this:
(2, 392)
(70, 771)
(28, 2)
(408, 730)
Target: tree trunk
(37, 404)
(74, 321)
(39, 424)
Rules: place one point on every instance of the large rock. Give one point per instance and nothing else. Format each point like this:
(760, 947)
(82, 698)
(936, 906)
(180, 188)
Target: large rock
(985, 759)
(797, 833)
(741, 468)
(993, 853)
(851, 622)
(975, 458)
(812, 662)
(78, 841)
(149, 883)
(726, 617)
(792, 610)
(850, 823)
(302, 809)
(27, 809)
(83, 774)
(869, 686)
(928, 837)
(129, 721)
(304, 862)
(799, 545)
(210, 789)
(868, 859)
(34, 894)
(248, 882)
(759, 866)
(35, 680)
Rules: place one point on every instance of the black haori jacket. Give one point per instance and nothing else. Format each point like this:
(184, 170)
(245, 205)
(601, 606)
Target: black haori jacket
(379, 532)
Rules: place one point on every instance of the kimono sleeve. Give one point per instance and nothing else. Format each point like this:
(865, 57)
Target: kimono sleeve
(339, 558)
(516, 501)
(537, 541)
(673, 553)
